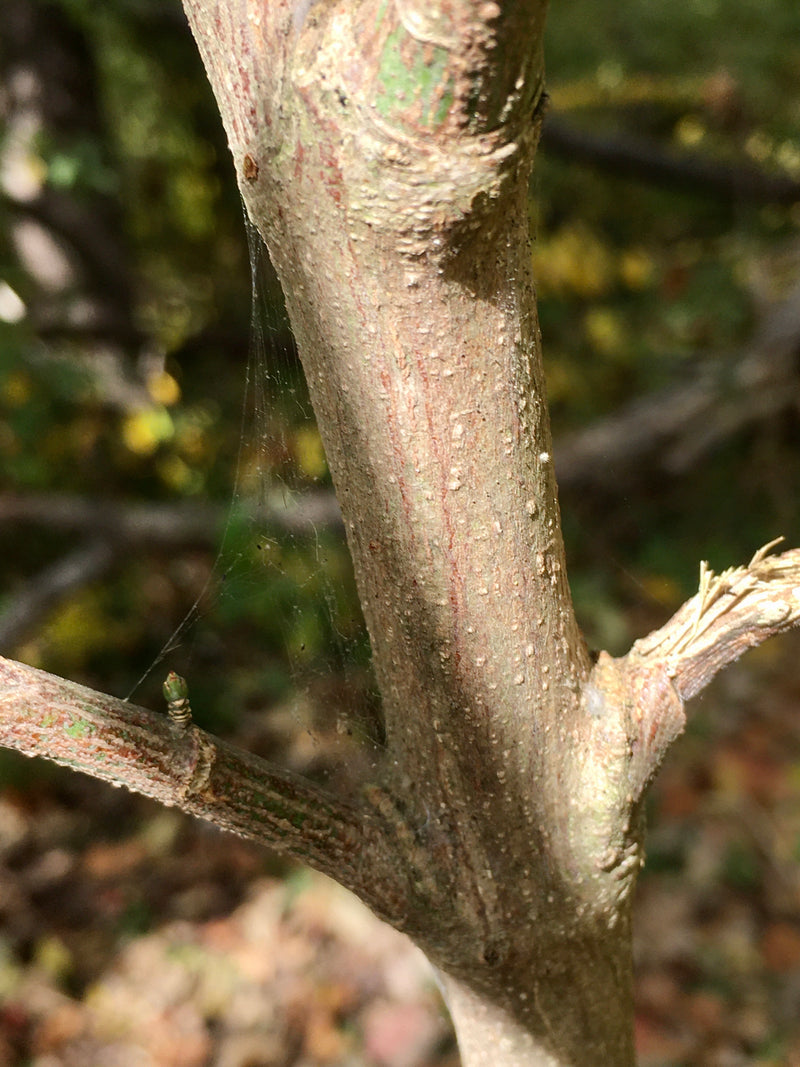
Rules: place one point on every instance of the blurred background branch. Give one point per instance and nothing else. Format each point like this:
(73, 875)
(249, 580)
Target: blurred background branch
(648, 160)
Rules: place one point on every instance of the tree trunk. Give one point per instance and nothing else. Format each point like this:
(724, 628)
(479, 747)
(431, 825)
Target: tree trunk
(383, 149)
(384, 152)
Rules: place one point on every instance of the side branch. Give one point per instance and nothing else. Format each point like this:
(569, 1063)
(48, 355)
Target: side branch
(646, 689)
(125, 745)
(731, 612)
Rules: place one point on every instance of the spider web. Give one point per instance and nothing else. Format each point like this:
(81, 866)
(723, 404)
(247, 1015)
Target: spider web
(274, 647)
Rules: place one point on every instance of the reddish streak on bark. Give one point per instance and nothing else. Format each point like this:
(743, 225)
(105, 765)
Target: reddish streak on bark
(299, 160)
(331, 175)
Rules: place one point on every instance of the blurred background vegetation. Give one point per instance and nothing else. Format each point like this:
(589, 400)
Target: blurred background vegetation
(665, 208)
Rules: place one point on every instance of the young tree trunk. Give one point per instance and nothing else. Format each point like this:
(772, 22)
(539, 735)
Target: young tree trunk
(383, 149)
(384, 152)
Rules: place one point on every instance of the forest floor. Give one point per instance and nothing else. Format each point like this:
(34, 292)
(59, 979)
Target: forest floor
(133, 936)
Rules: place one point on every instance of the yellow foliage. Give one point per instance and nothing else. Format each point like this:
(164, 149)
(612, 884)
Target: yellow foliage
(193, 438)
(788, 157)
(636, 268)
(16, 389)
(662, 589)
(164, 389)
(561, 378)
(759, 146)
(144, 430)
(574, 261)
(689, 131)
(605, 330)
(582, 93)
(309, 452)
(179, 475)
(77, 629)
(53, 957)
(193, 201)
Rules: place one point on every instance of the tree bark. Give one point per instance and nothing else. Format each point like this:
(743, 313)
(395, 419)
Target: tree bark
(383, 149)
(632, 711)
(384, 152)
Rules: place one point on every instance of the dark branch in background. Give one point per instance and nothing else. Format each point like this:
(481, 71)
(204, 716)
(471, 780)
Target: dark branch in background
(139, 525)
(115, 530)
(50, 586)
(672, 429)
(167, 525)
(628, 156)
(50, 81)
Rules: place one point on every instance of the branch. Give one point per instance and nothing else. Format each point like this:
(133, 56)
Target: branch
(730, 613)
(41, 593)
(166, 525)
(677, 425)
(624, 154)
(116, 528)
(120, 743)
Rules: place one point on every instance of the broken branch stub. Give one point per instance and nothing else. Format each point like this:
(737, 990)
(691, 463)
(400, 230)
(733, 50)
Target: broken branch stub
(731, 612)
